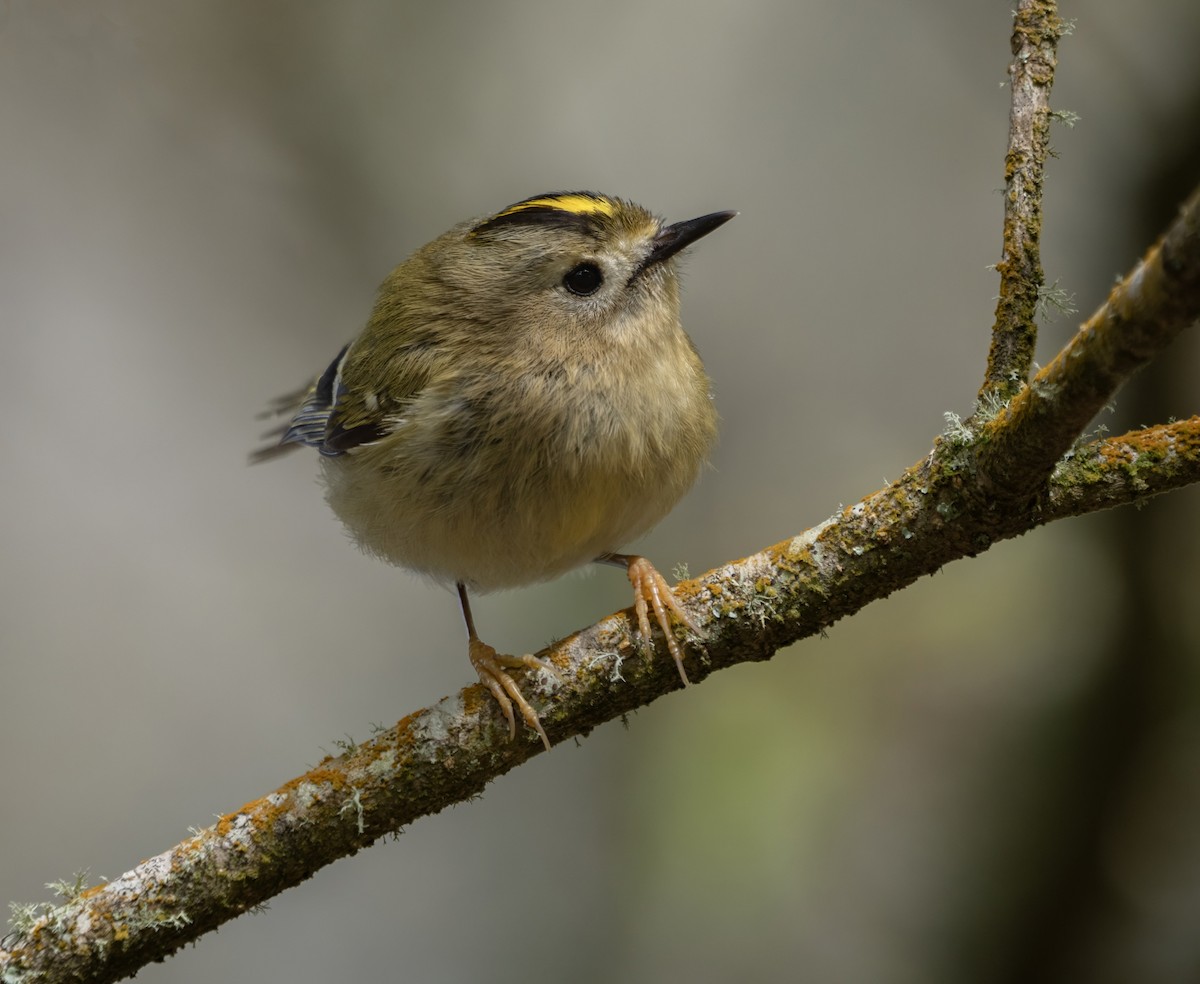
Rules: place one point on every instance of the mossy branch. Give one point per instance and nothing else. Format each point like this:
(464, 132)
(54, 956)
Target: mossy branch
(1036, 30)
(1143, 314)
(1131, 468)
(983, 481)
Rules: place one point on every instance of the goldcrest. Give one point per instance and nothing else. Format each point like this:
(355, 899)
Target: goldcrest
(522, 401)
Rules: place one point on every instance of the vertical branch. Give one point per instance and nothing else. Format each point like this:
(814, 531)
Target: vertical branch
(1036, 30)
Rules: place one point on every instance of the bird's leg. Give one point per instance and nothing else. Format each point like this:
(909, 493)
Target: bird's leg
(651, 591)
(492, 666)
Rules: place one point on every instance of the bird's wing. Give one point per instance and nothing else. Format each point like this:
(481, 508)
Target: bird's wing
(335, 418)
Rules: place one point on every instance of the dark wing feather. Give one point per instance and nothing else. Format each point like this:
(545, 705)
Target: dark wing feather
(311, 409)
(333, 419)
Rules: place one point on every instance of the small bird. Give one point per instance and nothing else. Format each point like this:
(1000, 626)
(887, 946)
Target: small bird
(522, 401)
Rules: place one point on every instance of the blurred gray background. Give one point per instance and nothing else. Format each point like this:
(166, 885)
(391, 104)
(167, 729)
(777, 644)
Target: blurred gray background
(992, 776)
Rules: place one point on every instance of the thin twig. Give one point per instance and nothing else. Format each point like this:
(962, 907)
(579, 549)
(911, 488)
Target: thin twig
(1036, 31)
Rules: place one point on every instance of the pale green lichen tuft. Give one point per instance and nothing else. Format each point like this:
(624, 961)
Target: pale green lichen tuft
(1066, 117)
(614, 675)
(354, 805)
(70, 890)
(1055, 301)
(957, 431)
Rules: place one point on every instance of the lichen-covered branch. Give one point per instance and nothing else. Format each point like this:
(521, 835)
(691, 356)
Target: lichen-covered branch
(1036, 30)
(1142, 315)
(1116, 471)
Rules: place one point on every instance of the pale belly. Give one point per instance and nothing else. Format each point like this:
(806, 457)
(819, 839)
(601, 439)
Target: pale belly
(459, 504)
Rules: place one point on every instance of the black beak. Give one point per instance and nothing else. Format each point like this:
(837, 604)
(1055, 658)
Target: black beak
(671, 239)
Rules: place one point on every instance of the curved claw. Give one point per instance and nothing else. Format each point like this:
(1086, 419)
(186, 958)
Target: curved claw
(651, 591)
(491, 667)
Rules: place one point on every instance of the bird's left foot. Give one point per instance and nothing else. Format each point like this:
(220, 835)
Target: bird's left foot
(651, 592)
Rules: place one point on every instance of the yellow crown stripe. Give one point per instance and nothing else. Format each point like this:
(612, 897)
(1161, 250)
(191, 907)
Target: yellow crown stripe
(573, 204)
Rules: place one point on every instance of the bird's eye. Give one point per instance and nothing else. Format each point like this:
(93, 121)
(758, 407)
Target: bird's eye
(583, 279)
